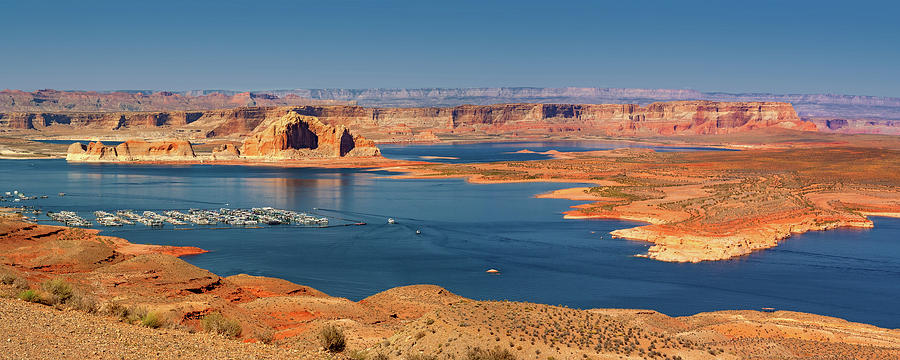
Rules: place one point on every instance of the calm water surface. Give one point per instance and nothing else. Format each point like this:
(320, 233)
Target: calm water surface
(466, 229)
(508, 151)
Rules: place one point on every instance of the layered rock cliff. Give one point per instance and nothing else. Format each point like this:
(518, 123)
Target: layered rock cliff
(671, 118)
(132, 150)
(296, 136)
(400, 124)
(865, 114)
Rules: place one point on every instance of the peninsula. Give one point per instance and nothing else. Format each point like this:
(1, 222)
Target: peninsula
(704, 205)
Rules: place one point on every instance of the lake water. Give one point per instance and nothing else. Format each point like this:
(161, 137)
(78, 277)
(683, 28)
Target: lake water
(465, 230)
(508, 151)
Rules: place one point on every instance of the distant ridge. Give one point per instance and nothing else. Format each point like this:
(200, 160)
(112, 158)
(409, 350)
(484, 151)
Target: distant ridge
(49, 100)
(833, 112)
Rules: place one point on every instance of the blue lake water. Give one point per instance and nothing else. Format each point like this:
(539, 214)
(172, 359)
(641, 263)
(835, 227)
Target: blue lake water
(507, 151)
(466, 229)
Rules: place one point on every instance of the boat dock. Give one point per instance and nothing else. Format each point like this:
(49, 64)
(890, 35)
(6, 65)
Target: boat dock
(208, 218)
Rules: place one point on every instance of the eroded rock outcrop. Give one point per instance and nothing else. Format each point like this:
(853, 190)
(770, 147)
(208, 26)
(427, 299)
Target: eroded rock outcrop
(296, 136)
(132, 150)
(226, 152)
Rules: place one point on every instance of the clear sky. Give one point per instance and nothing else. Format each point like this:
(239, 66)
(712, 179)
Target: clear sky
(850, 47)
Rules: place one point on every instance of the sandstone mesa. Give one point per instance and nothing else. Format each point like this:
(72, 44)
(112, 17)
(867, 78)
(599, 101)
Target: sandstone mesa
(293, 136)
(298, 136)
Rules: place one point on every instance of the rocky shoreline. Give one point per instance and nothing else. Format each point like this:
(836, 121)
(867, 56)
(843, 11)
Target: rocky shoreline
(420, 319)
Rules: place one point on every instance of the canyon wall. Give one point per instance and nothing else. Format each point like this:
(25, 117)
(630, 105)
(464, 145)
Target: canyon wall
(864, 114)
(409, 124)
(671, 118)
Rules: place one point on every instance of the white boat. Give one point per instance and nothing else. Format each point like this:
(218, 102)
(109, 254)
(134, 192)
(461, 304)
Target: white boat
(391, 220)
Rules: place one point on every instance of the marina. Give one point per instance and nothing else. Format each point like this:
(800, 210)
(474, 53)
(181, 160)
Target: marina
(253, 217)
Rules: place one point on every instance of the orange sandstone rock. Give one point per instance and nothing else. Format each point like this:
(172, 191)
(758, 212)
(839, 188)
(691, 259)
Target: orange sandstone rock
(225, 152)
(297, 136)
(132, 150)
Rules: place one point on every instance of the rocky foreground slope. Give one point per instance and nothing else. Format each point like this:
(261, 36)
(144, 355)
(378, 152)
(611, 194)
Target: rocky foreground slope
(411, 124)
(400, 323)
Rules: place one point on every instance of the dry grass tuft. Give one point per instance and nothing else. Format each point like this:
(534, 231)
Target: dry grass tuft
(219, 324)
(332, 338)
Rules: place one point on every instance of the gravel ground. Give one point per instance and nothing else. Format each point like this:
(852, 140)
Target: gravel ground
(33, 331)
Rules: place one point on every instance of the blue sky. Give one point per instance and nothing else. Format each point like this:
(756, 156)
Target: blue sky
(749, 46)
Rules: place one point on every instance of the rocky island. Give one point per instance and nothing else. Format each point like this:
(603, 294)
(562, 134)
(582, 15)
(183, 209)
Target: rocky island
(292, 137)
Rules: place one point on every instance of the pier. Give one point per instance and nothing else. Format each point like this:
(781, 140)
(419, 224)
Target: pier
(208, 218)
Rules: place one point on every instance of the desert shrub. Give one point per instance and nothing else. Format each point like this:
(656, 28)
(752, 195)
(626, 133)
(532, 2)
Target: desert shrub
(332, 338)
(115, 309)
(495, 354)
(135, 314)
(83, 303)
(30, 296)
(152, 320)
(429, 321)
(264, 336)
(20, 283)
(7, 278)
(380, 356)
(58, 289)
(219, 324)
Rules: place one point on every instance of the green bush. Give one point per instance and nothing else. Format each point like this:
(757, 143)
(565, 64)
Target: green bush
(59, 290)
(332, 338)
(152, 320)
(495, 354)
(30, 296)
(219, 324)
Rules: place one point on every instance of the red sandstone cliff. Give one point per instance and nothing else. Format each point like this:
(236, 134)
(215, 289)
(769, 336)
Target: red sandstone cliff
(132, 150)
(296, 136)
(668, 118)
